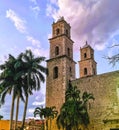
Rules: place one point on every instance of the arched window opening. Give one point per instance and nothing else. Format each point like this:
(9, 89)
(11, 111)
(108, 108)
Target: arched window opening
(56, 50)
(85, 55)
(66, 32)
(94, 71)
(85, 71)
(91, 55)
(68, 51)
(70, 70)
(55, 72)
(57, 31)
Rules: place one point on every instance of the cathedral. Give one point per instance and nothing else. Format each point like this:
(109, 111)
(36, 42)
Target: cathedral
(104, 110)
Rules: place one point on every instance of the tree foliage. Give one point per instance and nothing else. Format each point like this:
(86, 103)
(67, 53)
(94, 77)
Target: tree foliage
(74, 111)
(20, 76)
(48, 113)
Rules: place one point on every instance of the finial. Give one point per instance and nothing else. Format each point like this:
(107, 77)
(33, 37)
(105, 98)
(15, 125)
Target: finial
(61, 18)
(86, 43)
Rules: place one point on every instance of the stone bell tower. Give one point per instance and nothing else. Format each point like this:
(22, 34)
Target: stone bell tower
(87, 64)
(61, 66)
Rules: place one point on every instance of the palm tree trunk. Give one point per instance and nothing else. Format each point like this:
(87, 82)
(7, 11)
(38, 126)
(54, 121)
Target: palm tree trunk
(50, 123)
(17, 111)
(12, 112)
(25, 109)
(46, 124)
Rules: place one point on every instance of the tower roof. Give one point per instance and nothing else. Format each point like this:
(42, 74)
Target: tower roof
(86, 45)
(61, 19)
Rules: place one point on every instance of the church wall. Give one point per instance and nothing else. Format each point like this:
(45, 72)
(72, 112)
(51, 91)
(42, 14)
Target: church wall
(104, 87)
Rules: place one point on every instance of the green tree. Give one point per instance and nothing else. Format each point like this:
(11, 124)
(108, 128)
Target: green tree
(74, 111)
(10, 83)
(48, 113)
(33, 76)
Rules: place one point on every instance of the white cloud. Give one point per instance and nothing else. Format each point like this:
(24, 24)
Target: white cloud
(50, 11)
(39, 51)
(95, 21)
(35, 9)
(31, 110)
(34, 41)
(38, 103)
(18, 22)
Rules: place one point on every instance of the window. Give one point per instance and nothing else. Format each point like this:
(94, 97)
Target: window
(57, 31)
(68, 51)
(55, 72)
(56, 50)
(85, 71)
(94, 71)
(70, 70)
(67, 32)
(85, 55)
(91, 55)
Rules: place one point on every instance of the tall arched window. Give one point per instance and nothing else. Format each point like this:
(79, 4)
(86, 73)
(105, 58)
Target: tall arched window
(68, 51)
(55, 72)
(57, 31)
(85, 71)
(85, 55)
(66, 32)
(56, 50)
(70, 70)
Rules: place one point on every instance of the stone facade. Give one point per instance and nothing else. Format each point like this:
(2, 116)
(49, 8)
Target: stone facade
(87, 64)
(60, 65)
(104, 110)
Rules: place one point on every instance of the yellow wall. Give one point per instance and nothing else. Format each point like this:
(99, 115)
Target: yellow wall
(4, 124)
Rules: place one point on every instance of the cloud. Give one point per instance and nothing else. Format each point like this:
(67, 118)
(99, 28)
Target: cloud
(31, 110)
(34, 41)
(35, 9)
(95, 21)
(36, 103)
(18, 22)
(39, 51)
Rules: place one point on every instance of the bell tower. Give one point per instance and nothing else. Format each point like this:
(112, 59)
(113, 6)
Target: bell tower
(87, 64)
(61, 66)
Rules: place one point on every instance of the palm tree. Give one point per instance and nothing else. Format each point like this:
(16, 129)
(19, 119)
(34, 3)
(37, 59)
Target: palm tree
(33, 76)
(40, 111)
(74, 111)
(10, 83)
(48, 113)
(19, 67)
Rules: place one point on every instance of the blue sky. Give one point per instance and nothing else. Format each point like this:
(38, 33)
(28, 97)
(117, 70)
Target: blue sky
(27, 24)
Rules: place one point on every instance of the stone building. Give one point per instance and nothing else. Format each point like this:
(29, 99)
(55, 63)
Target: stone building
(104, 110)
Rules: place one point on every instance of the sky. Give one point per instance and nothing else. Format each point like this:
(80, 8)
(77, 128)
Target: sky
(27, 24)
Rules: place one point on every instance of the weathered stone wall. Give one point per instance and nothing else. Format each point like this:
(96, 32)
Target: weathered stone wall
(105, 107)
(55, 90)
